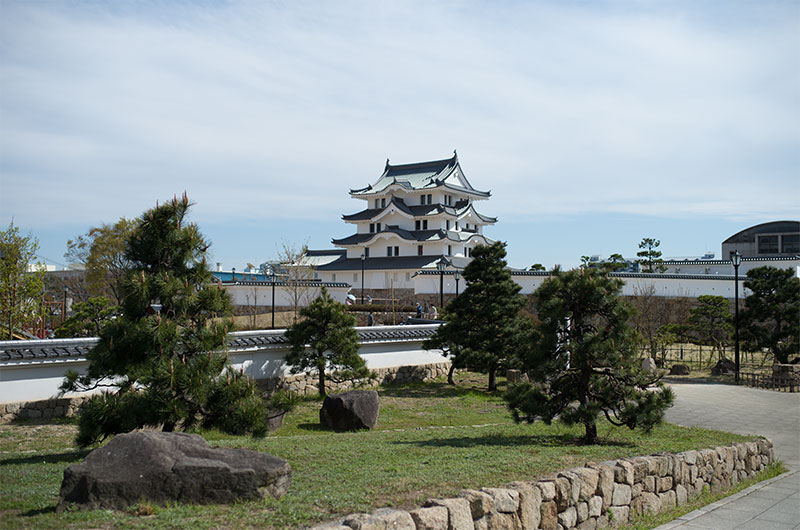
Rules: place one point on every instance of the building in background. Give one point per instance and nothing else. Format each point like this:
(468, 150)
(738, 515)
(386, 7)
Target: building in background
(415, 216)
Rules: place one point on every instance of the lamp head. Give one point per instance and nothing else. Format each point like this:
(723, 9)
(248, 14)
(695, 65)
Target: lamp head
(736, 258)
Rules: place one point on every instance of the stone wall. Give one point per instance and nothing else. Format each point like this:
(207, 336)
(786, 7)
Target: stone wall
(587, 498)
(304, 384)
(44, 409)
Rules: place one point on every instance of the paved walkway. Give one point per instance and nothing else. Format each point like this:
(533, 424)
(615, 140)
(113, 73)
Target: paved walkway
(770, 505)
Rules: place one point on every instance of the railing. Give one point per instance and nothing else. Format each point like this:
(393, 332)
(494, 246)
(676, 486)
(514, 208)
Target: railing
(769, 381)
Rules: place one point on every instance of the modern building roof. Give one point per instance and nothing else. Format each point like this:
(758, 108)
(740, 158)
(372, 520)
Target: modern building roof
(773, 227)
(445, 173)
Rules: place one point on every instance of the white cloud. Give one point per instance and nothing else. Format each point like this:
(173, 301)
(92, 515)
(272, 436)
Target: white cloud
(275, 111)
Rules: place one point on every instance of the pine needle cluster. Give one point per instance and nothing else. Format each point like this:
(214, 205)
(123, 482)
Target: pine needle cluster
(162, 362)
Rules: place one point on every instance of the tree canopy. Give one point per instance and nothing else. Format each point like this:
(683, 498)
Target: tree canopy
(325, 340)
(584, 361)
(484, 326)
(771, 317)
(163, 360)
(88, 318)
(649, 256)
(102, 252)
(710, 322)
(21, 281)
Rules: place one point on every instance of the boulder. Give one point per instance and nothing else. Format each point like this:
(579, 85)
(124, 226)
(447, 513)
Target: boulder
(163, 467)
(724, 366)
(679, 369)
(350, 411)
(649, 365)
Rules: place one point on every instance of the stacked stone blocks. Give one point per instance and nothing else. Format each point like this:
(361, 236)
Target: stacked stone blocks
(596, 496)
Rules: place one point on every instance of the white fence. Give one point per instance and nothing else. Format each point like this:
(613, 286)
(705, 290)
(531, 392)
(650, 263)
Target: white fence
(33, 370)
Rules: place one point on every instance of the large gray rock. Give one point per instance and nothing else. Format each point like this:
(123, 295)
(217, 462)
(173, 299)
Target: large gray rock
(679, 369)
(162, 467)
(350, 411)
(724, 366)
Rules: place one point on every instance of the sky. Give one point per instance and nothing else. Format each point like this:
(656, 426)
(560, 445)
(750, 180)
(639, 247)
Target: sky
(593, 124)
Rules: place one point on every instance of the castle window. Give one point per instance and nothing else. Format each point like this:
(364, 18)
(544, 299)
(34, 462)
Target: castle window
(419, 250)
(424, 224)
(371, 228)
(333, 277)
(396, 251)
(447, 224)
(383, 203)
(366, 252)
(376, 203)
(449, 250)
(378, 227)
(416, 225)
(456, 225)
(388, 251)
(430, 197)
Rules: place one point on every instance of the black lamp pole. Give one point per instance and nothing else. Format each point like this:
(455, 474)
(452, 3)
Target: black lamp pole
(736, 259)
(64, 307)
(363, 259)
(272, 281)
(233, 273)
(458, 277)
(441, 265)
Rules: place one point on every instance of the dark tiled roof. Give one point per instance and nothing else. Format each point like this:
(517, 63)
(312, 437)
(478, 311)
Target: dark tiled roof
(409, 235)
(380, 263)
(420, 176)
(78, 348)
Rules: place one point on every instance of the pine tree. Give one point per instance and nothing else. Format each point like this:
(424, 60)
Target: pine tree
(649, 256)
(163, 359)
(584, 361)
(771, 318)
(711, 323)
(483, 326)
(325, 340)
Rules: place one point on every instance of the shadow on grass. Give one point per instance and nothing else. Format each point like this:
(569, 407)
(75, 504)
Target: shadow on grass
(698, 380)
(51, 458)
(490, 440)
(39, 511)
(318, 427)
(434, 390)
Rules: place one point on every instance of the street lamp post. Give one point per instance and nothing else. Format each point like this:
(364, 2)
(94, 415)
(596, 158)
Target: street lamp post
(272, 281)
(233, 274)
(64, 307)
(441, 265)
(457, 275)
(736, 259)
(363, 260)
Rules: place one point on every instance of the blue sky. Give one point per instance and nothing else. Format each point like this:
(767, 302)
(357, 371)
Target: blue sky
(594, 124)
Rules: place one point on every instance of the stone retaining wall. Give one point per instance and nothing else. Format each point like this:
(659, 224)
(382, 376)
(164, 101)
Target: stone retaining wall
(303, 384)
(306, 383)
(587, 498)
(44, 409)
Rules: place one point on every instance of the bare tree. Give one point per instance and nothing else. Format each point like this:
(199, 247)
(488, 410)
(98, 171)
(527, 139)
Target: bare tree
(653, 312)
(298, 273)
(252, 306)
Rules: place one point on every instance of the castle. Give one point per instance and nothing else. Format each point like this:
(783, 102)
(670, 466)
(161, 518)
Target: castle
(417, 217)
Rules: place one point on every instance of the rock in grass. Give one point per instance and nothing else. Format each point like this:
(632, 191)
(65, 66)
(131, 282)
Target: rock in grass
(350, 411)
(161, 467)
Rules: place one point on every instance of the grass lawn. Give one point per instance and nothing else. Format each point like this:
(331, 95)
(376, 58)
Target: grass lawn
(431, 440)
